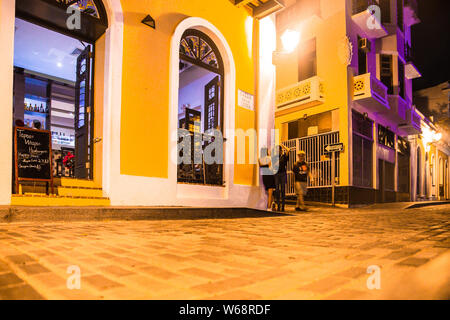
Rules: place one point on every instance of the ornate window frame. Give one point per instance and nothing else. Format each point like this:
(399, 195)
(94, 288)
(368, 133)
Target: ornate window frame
(197, 48)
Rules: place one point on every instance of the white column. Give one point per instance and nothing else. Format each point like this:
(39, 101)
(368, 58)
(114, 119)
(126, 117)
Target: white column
(7, 16)
(266, 98)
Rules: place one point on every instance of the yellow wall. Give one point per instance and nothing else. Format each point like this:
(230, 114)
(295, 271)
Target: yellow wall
(99, 86)
(329, 32)
(145, 83)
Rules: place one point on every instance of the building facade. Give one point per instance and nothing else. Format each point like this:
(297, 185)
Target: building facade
(143, 73)
(350, 81)
(125, 89)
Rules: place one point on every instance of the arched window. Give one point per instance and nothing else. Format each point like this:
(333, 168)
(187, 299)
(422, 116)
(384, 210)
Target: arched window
(200, 109)
(197, 48)
(89, 7)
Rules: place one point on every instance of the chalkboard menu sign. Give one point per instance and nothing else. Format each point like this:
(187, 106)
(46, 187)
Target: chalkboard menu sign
(33, 155)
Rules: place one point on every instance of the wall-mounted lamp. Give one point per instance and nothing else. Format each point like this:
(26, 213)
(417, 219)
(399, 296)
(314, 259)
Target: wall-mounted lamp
(305, 116)
(290, 40)
(149, 21)
(365, 115)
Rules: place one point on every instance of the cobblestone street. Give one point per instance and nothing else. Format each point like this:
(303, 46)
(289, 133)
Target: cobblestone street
(321, 254)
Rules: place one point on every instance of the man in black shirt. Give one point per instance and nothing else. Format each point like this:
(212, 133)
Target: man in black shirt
(281, 176)
(301, 172)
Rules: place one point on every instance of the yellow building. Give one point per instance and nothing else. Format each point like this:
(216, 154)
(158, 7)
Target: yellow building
(114, 81)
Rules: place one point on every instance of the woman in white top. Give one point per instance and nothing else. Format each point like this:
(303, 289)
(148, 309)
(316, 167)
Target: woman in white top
(265, 165)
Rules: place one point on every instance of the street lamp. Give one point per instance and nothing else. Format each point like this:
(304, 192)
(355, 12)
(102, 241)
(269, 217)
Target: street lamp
(290, 40)
(430, 136)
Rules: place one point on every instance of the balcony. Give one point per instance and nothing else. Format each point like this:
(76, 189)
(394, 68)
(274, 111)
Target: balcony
(371, 92)
(366, 20)
(399, 109)
(412, 124)
(394, 44)
(302, 10)
(302, 95)
(411, 12)
(260, 8)
(411, 71)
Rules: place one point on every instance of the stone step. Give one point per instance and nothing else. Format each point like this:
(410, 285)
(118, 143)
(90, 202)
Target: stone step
(28, 214)
(80, 192)
(39, 200)
(70, 182)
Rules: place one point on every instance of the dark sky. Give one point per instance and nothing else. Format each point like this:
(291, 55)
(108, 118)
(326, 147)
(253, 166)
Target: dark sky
(430, 42)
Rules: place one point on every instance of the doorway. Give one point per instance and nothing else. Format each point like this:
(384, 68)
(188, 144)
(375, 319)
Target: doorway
(418, 171)
(200, 106)
(54, 78)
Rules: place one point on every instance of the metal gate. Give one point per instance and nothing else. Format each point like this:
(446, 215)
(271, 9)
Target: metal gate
(319, 162)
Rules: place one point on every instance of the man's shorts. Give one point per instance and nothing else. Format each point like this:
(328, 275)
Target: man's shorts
(300, 188)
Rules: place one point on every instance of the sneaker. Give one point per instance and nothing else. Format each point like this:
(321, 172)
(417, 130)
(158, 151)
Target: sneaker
(298, 209)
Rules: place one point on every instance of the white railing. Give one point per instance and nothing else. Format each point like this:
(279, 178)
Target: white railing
(366, 85)
(302, 92)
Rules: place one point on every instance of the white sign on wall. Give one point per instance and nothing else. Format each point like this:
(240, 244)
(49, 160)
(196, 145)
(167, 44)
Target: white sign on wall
(246, 100)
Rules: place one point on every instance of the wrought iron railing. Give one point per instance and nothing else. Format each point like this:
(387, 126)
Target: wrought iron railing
(197, 171)
(317, 159)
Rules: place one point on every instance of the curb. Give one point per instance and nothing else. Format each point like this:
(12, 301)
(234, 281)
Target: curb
(70, 214)
(427, 204)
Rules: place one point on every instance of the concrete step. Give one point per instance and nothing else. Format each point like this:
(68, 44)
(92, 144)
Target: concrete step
(40, 200)
(49, 214)
(80, 192)
(70, 182)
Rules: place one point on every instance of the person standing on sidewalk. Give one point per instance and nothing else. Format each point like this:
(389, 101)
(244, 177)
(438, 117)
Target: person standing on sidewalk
(265, 165)
(281, 177)
(301, 172)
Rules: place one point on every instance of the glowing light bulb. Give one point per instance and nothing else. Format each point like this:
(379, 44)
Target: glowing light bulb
(290, 40)
(437, 136)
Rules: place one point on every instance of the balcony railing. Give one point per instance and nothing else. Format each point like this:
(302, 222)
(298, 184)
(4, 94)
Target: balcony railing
(399, 108)
(370, 91)
(411, 126)
(367, 20)
(304, 94)
(411, 71)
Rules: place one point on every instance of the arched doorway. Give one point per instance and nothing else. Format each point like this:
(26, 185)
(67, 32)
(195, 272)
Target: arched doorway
(200, 108)
(54, 78)
(419, 168)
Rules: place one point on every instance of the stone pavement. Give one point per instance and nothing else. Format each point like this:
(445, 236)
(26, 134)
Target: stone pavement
(321, 254)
